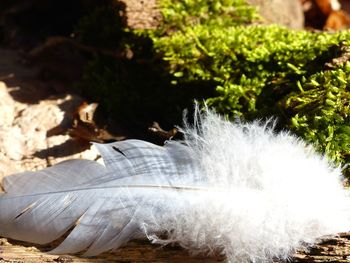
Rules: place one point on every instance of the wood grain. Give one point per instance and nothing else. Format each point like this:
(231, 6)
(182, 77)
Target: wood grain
(135, 251)
(329, 249)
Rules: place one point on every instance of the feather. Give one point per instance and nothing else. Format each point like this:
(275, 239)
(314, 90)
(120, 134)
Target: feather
(234, 188)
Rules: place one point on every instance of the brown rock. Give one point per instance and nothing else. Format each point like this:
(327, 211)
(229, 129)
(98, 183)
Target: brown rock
(142, 14)
(12, 144)
(25, 139)
(284, 12)
(6, 106)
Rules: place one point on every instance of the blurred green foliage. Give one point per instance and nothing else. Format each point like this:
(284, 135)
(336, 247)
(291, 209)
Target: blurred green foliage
(251, 71)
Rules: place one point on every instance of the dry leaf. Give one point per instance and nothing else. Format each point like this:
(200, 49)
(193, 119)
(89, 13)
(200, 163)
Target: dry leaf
(337, 20)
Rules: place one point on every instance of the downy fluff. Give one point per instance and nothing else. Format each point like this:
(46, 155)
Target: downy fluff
(238, 189)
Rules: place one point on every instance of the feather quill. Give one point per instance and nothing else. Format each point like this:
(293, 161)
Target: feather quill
(237, 188)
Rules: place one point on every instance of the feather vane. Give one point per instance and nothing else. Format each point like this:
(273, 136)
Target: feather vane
(237, 188)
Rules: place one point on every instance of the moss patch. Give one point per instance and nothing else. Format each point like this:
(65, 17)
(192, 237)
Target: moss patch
(217, 50)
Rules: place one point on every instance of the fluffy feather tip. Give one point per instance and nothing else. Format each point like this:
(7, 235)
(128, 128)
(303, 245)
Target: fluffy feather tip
(234, 188)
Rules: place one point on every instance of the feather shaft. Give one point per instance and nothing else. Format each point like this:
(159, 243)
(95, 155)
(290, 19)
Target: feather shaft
(239, 189)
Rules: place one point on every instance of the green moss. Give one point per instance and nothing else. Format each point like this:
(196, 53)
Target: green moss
(215, 49)
(187, 13)
(133, 86)
(127, 90)
(103, 28)
(262, 71)
(319, 111)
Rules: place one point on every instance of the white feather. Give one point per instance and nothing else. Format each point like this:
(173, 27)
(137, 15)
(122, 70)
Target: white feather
(237, 188)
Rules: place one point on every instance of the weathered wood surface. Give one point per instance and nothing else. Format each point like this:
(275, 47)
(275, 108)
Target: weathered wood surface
(136, 251)
(331, 250)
